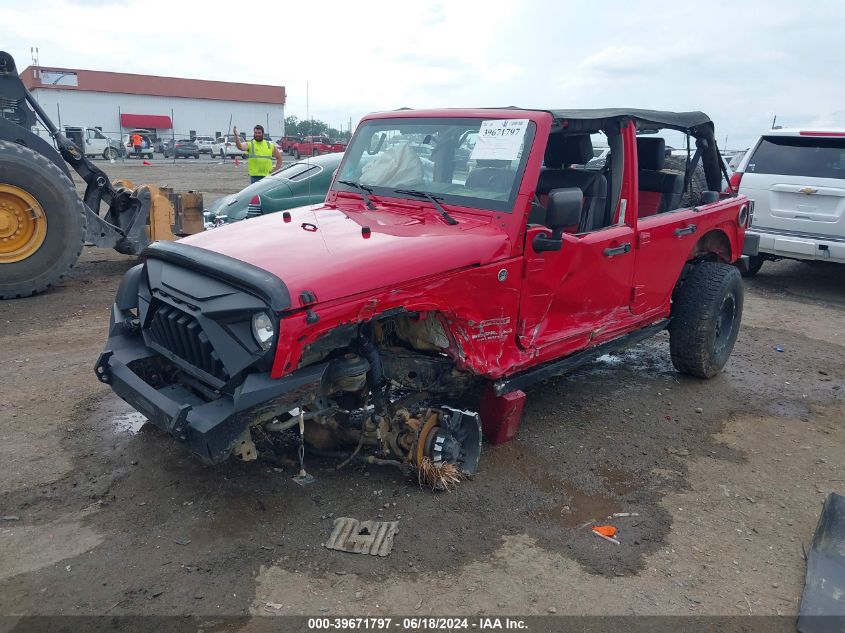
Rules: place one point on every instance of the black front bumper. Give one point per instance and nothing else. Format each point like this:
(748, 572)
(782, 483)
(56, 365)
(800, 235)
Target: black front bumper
(209, 428)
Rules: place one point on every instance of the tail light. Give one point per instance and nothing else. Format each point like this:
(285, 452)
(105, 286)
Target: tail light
(736, 178)
(255, 203)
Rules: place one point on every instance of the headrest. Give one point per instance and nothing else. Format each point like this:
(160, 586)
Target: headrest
(651, 152)
(568, 150)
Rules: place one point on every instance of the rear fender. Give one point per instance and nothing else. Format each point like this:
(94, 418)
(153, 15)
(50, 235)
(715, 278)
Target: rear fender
(714, 243)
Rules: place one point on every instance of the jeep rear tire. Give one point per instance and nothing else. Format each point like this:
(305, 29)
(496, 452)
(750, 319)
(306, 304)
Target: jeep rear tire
(42, 222)
(706, 313)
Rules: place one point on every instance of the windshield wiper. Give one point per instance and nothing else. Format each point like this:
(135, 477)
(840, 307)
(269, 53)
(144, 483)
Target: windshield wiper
(364, 191)
(434, 200)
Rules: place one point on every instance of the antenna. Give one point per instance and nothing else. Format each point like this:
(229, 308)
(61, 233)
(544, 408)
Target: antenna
(34, 52)
(774, 121)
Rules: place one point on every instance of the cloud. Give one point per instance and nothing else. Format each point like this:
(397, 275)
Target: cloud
(742, 63)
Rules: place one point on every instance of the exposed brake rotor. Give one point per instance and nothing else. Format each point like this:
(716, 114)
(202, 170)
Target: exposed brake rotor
(448, 447)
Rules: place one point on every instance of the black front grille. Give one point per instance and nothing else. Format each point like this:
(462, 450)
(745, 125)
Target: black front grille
(180, 333)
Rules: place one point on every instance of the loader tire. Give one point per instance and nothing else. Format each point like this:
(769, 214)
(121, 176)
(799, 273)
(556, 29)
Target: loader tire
(706, 313)
(42, 222)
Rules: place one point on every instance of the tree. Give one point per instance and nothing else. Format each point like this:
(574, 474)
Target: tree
(312, 127)
(291, 125)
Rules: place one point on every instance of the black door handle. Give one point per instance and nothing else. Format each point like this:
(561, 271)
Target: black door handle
(687, 230)
(619, 250)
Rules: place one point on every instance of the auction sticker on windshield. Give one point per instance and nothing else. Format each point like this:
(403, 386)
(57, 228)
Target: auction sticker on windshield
(499, 139)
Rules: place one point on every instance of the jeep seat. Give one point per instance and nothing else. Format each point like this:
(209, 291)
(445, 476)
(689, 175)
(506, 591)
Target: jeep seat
(561, 152)
(659, 191)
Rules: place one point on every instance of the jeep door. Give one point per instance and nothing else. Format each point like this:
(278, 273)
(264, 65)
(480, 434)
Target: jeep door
(667, 228)
(663, 243)
(580, 295)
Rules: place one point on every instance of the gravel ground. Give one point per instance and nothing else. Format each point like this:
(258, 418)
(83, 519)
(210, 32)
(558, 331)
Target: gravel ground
(102, 515)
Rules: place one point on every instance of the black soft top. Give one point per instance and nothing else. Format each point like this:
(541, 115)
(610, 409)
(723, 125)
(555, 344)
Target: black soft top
(696, 124)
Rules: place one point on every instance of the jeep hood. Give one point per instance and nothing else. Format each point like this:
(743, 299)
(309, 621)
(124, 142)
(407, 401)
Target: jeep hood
(324, 250)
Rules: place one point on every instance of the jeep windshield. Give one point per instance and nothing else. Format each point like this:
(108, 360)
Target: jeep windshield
(467, 162)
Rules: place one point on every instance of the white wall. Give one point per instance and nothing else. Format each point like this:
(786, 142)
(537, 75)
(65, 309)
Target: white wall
(206, 116)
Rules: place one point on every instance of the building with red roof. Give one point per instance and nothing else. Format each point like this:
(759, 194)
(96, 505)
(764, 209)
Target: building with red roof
(166, 106)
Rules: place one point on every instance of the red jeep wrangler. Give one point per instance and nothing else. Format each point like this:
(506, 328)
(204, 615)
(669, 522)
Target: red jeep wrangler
(455, 249)
(312, 146)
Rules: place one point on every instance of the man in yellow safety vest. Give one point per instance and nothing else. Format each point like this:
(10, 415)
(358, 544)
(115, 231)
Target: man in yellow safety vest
(260, 154)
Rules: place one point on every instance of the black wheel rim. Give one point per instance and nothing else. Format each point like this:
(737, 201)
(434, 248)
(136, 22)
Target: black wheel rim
(725, 323)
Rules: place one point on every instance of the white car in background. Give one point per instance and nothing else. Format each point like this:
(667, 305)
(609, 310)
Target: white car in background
(95, 143)
(796, 179)
(205, 143)
(225, 146)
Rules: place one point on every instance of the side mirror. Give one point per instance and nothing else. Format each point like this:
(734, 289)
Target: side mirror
(562, 209)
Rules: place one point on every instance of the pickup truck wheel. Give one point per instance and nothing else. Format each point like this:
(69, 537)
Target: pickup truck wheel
(314, 152)
(706, 313)
(110, 153)
(42, 222)
(698, 181)
(296, 154)
(755, 262)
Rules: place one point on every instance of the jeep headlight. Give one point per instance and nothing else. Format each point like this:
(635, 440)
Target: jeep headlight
(263, 330)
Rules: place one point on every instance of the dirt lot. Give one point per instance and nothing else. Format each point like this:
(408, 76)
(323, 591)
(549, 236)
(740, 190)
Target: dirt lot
(727, 476)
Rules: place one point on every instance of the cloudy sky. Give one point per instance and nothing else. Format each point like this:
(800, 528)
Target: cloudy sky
(742, 62)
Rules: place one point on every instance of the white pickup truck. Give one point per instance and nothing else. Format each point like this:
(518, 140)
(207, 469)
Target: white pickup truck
(94, 142)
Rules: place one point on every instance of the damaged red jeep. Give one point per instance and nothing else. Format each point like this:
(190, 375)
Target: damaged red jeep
(456, 250)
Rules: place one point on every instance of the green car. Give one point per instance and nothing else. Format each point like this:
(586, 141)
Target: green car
(296, 184)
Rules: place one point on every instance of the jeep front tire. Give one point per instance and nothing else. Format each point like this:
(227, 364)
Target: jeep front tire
(706, 313)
